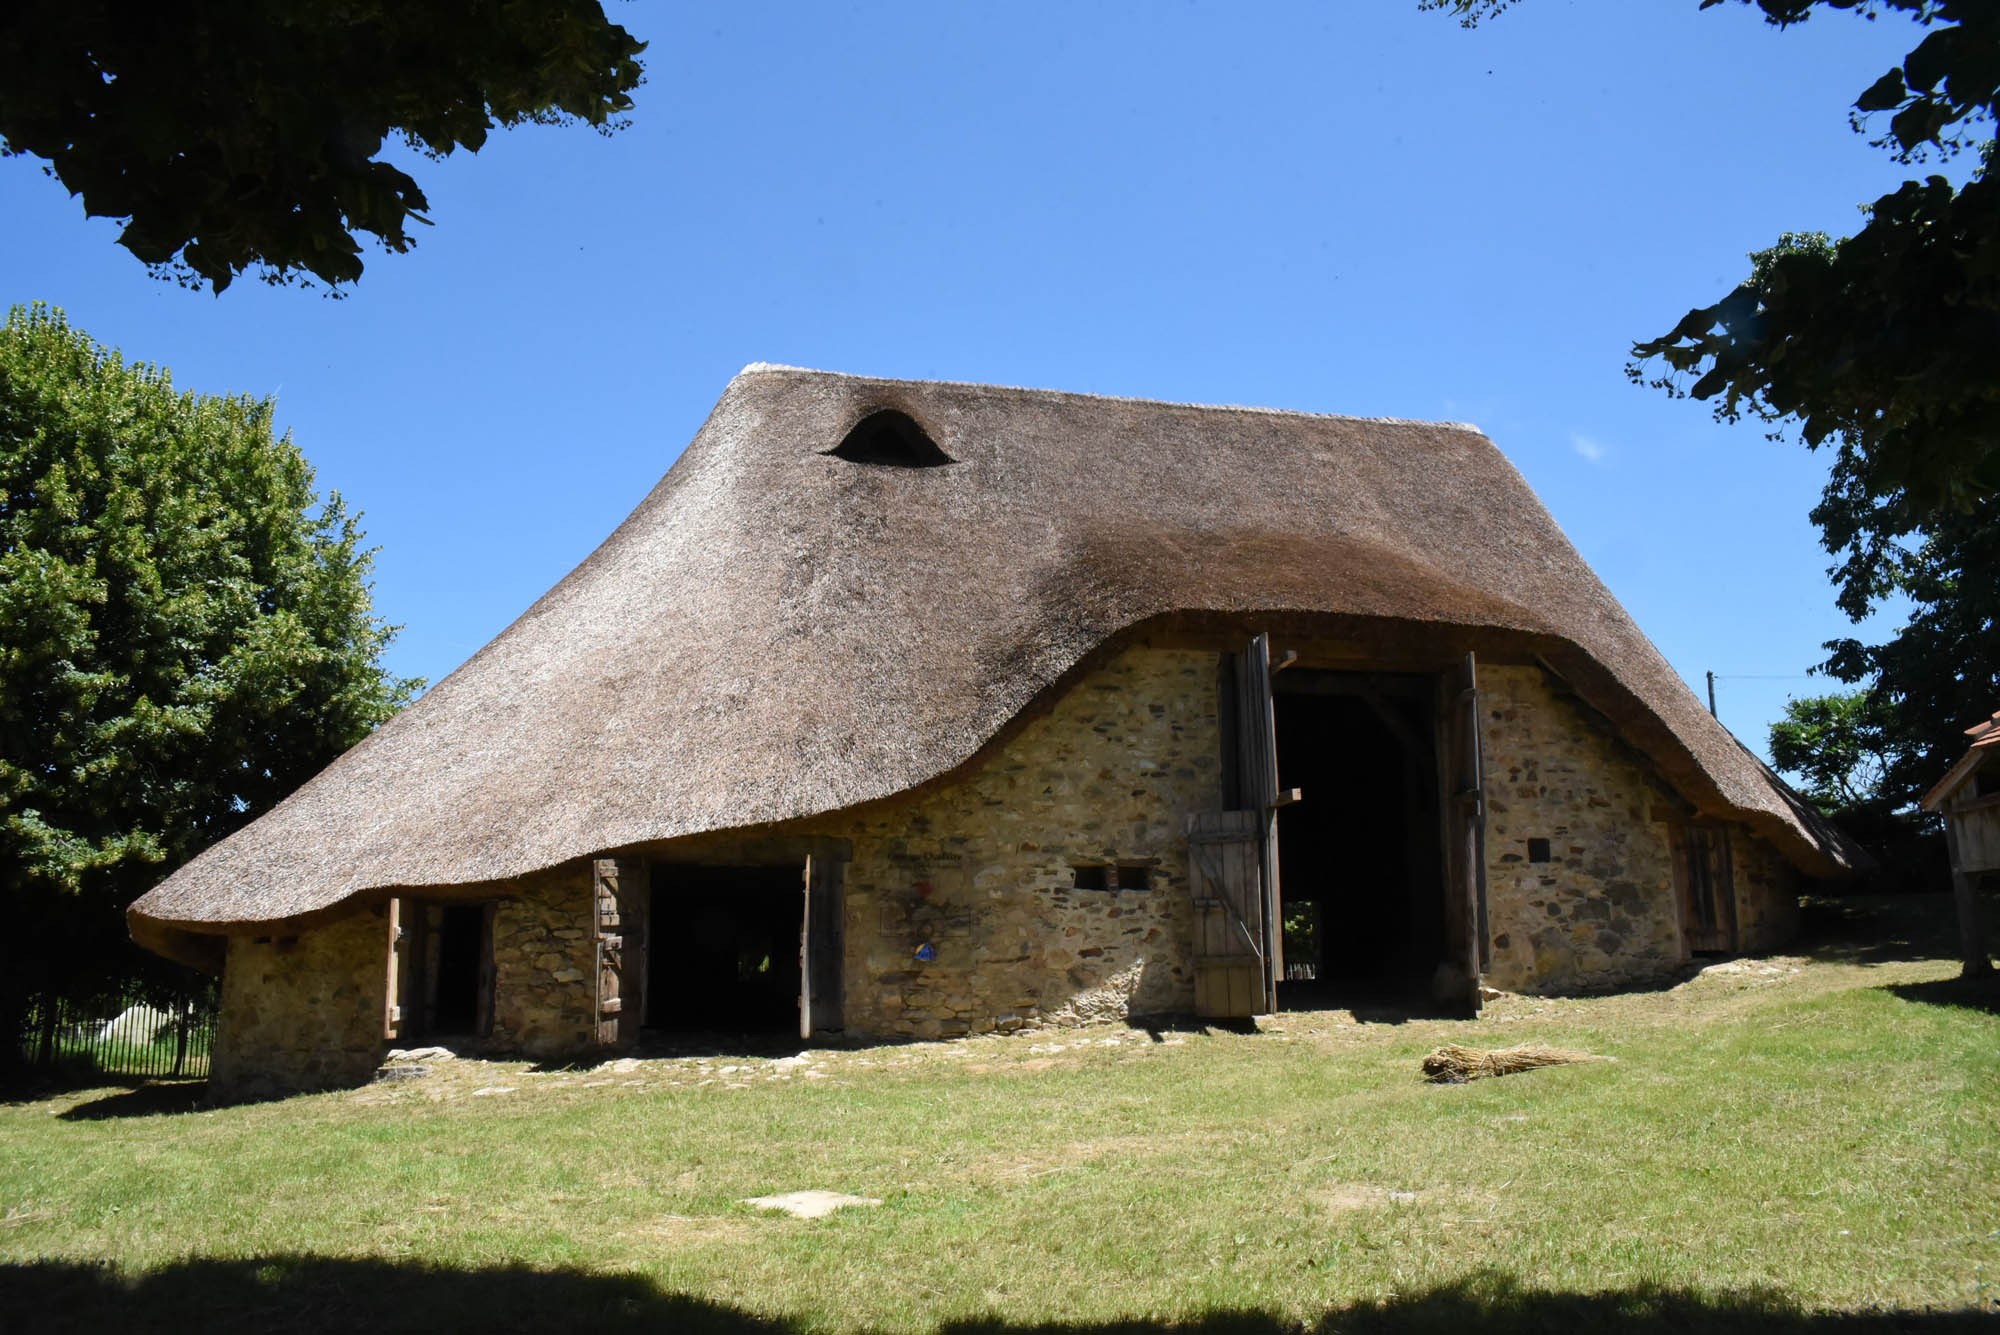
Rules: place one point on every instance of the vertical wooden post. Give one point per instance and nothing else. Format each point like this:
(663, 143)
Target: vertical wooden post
(1462, 779)
(181, 1036)
(1974, 962)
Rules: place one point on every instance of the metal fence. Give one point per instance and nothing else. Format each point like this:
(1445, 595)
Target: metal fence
(137, 1032)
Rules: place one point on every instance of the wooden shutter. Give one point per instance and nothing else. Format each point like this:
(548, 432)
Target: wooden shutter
(1465, 832)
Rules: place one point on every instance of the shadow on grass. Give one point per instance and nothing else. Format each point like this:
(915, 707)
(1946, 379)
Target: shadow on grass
(1981, 994)
(304, 1293)
(124, 1095)
(153, 1098)
(1882, 929)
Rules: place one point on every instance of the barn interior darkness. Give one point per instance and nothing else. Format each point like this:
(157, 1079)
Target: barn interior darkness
(725, 949)
(1360, 860)
(455, 973)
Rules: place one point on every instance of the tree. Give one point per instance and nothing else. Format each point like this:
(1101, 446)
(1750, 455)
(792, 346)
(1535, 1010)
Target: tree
(244, 135)
(185, 636)
(1835, 743)
(1940, 672)
(1879, 342)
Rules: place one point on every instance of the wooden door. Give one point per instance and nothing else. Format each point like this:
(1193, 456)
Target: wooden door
(823, 950)
(392, 1012)
(1708, 889)
(1257, 773)
(619, 895)
(1233, 861)
(1464, 815)
(482, 1005)
(1231, 965)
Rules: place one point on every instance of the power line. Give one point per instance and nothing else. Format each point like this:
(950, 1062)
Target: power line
(1765, 676)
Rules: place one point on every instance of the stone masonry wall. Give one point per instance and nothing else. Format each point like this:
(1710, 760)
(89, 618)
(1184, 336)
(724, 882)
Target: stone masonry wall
(544, 963)
(1601, 911)
(1767, 893)
(962, 913)
(980, 872)
(303, 1012)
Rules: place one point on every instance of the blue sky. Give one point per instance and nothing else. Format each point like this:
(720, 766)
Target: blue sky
(1353, 208)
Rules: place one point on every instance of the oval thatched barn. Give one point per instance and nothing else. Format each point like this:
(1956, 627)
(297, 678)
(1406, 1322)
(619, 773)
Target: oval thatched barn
(915, 709)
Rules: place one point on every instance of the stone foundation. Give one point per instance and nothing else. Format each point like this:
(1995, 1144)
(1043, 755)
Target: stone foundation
(1601, 912)
(302, 1012)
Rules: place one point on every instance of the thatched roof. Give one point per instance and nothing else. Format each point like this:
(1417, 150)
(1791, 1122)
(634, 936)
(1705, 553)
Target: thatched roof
(778, 631)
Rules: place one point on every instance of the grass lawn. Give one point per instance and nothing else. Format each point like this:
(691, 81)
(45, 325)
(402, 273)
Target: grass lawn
(1803, 1142)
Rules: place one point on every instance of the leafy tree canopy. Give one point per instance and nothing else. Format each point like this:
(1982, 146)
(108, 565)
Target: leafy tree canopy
(248, 133)
(185, 636)
(1940, 672)
(1836, 744)
(1882, 345)
(1880, 342)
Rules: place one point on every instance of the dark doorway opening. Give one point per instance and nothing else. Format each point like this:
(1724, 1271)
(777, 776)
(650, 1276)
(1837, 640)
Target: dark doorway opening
(1360, 855)
(461, 941)
(443, 983)
(724, 953)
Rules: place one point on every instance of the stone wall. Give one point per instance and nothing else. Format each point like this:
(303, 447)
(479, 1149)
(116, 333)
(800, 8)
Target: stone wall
(1601, 911)
(962, 909)
(303, 1012)
(979, 874)
(544, 964)
(1767, 893)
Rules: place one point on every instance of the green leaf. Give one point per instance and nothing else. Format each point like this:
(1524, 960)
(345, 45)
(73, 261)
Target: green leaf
(1884, 94)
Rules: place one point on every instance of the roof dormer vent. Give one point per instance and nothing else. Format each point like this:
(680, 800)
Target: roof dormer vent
(889, 436)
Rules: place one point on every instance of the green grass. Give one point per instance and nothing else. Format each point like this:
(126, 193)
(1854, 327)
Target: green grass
(1800, 1143)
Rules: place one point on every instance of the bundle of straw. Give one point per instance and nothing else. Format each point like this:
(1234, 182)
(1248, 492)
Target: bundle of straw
(1453, 1065)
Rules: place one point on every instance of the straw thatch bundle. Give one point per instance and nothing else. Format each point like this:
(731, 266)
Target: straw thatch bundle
(1454, 1065)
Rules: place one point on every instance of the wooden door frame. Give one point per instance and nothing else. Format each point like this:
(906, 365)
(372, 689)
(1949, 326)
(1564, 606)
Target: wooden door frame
(412, 1008)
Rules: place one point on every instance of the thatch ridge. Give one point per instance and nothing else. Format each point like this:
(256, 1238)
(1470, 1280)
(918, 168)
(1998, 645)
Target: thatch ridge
(1434, 424)
(774, 633)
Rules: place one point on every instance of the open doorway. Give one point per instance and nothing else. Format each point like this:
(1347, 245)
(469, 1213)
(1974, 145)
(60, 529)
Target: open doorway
(443, 980)
(725, 950)
(1361, 865)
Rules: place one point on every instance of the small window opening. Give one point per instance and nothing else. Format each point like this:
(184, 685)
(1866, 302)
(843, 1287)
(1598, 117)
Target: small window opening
(890, 437)
(1538, 850)
(1121, 876)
